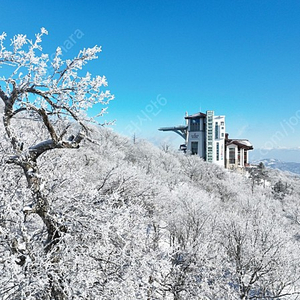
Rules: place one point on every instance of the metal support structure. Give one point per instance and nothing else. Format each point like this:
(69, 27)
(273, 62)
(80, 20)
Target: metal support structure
(181, 130)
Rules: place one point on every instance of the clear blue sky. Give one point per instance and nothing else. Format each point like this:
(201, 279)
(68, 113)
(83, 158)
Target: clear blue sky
(162, 58)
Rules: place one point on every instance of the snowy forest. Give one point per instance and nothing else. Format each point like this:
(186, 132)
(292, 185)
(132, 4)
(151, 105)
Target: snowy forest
(88, 214)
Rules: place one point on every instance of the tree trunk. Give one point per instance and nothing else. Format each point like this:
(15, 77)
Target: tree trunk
(41, 207)
(40, 204)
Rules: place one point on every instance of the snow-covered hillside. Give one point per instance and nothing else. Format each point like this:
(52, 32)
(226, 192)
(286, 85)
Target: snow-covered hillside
(141, 223)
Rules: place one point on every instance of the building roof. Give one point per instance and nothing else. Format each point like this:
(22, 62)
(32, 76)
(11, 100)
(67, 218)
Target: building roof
(245, 142)
(242, 143)
(197, 115)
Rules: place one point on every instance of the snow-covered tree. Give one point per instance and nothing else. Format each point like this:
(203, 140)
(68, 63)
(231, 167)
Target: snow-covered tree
(54, 93)
(261, 261)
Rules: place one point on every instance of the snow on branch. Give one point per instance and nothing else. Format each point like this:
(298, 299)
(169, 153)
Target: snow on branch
(52, 88)
(62, 89)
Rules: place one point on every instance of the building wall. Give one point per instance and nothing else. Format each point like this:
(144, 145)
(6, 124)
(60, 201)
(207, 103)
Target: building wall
(196, 134)
(197, 137)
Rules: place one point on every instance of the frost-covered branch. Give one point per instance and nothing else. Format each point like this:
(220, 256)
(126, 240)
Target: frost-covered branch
(56, 92)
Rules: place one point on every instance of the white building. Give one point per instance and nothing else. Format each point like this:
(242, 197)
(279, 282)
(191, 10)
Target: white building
(205, 136)
(237, 152)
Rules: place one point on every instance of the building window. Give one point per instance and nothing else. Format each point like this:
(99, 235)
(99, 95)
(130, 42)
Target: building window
(222, 123)
(217, 152)
(245, 158)
(194, 148)
(232, 155)
(216, 131)
(195, 124)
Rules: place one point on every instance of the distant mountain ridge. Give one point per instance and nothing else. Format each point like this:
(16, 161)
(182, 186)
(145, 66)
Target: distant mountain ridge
(281, 154)
(292, 167)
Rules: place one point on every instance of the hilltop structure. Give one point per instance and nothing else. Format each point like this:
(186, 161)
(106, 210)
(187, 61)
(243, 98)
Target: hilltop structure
(205, 135)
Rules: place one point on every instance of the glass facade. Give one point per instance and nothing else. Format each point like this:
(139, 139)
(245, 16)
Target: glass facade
(216, 131)
(195, 124)
(209, 135)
